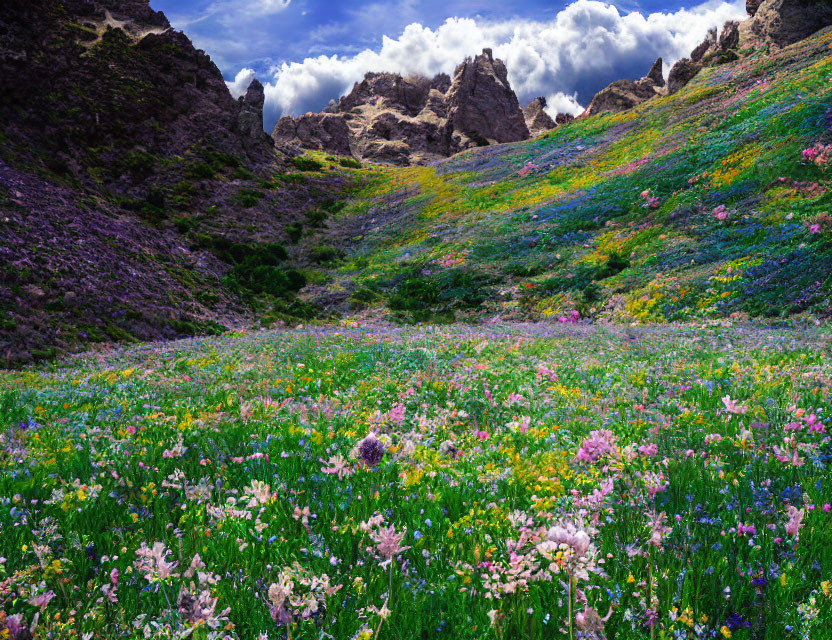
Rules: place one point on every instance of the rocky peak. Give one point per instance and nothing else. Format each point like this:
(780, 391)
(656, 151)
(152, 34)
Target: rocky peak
(625, 94)
(656, 73)
(250, 117)
(537, 120)
(396, 120)
(482, 106)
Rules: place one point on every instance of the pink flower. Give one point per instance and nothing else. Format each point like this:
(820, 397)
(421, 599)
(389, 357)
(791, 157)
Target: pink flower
(732, 407)
(388, 543)
(814, 228)
(810, 153)
(649, 450)
(827, 508)
(720, 213)
(795, 522)
(483, 435)
(815, 425)
(599, 444)
(743, 529)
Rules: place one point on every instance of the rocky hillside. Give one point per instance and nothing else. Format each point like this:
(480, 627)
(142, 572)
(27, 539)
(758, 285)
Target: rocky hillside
(389, 119)
(711, 200)
(132, 184)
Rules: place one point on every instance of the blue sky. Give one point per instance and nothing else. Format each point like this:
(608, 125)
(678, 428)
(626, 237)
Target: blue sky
(310, 51)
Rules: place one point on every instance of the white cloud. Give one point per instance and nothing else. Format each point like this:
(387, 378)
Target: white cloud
(567, 59)
(239, 85)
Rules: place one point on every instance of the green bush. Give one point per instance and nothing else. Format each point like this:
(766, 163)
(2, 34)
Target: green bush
(294, 231)
(349, 163)
(304, 163)
(325, 254)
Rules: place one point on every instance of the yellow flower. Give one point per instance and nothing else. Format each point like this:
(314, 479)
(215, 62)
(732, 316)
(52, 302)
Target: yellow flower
(783, 579)
(826, 587)
(631, 579)
(725, 631)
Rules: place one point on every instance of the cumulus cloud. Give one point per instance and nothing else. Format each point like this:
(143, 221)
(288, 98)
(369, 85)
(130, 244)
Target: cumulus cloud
(239, 85)
(567, 59)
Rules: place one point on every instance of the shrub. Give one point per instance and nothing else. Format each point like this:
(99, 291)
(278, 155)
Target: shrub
(325, 254)
(294, 231)
(350, 163)
(304, 163)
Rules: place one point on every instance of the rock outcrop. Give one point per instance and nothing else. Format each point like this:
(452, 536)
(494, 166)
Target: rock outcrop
(250, 116)
(537, 120)
(681, 73)
(482, 108)
(390, 119)
(783, 22)
(321, 131)
(625, 94)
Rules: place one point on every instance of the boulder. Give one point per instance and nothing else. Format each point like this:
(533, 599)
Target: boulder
(564, 118)
(320, 131)
(481, 104)
(537, 120)
(784, 22)
(751, 6)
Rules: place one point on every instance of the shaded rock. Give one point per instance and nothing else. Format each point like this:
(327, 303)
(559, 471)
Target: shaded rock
(250, 117)
(681, 73)
(625, 94)
(320, 131)
(537, 120)
(483, 109)
(704, 47)
(730, 37)
(784, 22)
(751, 6)
(656, 73)
(564, 118)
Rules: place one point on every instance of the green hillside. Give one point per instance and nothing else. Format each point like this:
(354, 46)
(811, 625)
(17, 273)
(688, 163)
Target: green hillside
(703, 203)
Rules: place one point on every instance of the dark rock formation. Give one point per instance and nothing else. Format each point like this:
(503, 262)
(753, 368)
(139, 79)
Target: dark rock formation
(394, 120)
(564, 118)
(483, 109)
(751, 6)
(537, 120)
(625, 94)
(321, 131)
(250, 117)
(681, 73)
(729, 39)
(708, 44)
(784, 22)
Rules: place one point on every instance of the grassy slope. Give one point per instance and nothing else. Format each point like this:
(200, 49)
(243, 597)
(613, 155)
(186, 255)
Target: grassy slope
(732, 137)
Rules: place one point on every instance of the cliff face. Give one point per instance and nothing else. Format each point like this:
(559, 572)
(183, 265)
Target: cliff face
(395, 120)
(123, 158)
(85, 80)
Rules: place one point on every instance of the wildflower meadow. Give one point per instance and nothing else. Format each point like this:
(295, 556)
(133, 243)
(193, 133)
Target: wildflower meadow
(356, 482)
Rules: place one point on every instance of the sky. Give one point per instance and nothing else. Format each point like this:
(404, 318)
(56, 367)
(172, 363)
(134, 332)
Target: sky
(308, 52)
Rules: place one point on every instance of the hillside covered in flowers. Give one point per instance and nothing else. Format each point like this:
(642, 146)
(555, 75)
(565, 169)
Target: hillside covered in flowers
(713, 201)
